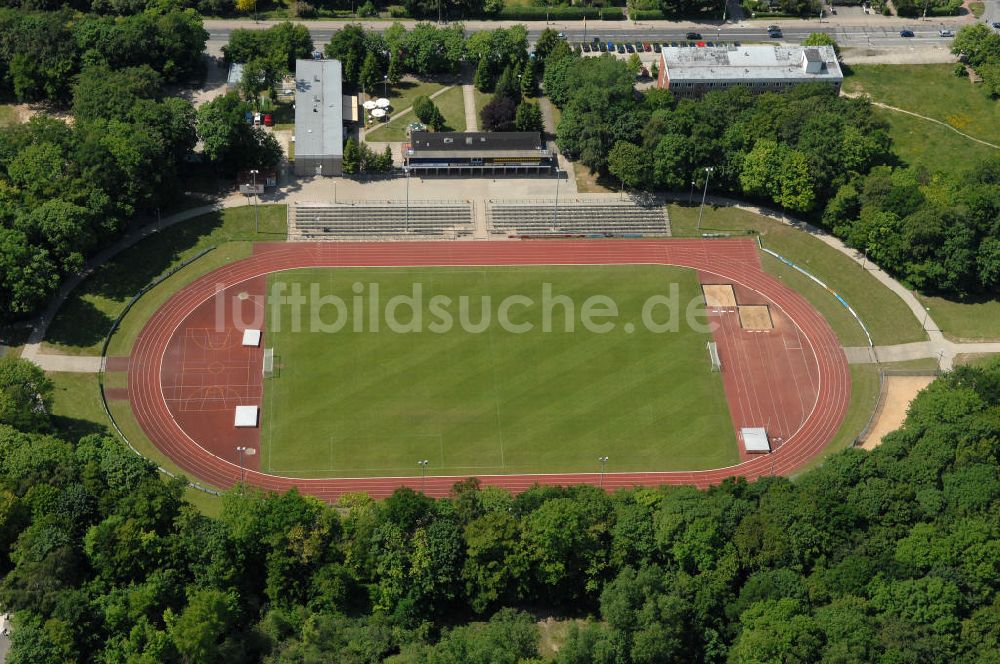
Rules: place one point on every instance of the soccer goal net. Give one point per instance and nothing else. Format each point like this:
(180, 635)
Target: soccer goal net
(268, 362)
(713, 355)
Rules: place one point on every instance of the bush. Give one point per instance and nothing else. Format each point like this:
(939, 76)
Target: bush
(560, 13)
(304, 10)
(398, 11)
(367, 9)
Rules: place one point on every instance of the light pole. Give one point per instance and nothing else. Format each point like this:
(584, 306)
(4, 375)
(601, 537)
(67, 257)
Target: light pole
(423, 473)
(241, 450)
(256, 218)
(603, 461)
(701, 210)
(385, 85)
(927, 311)
(691, 195)
(555, 211)
(407, 222)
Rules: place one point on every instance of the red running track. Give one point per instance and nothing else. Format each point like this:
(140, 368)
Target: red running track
(732, 260)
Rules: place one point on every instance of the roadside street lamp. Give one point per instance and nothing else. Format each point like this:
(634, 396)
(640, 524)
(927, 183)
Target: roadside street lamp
(603, 460)
(385, 85)
(555, 211)
(691, 194)
(927, 311)
(701, 210)
(423, 473)
(256, 218)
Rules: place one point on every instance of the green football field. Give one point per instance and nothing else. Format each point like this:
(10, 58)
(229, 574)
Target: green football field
(486, 397)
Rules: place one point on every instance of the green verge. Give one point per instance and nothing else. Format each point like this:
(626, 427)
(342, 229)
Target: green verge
(85, 318)
(965, 321)
(452, 107)
(864, 397)
(886, 315)
(401, 98)
(77, 412)
(495, 401)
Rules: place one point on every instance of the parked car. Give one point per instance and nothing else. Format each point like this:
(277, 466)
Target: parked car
(268, 120)
(693, 36)
(946, 33)
(638, 47)
(586, 48)
(906, 33)
(657, 47)
(647, 47)
(621, 48)
(629, 48)
(996, 25)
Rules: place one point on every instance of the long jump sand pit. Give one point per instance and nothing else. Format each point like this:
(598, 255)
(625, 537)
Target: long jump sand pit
(900, 391)
(755, 317)
(719, 296)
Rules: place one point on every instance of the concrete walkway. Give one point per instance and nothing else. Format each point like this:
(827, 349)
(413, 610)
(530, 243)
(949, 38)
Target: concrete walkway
(944, 351)
(471, 121)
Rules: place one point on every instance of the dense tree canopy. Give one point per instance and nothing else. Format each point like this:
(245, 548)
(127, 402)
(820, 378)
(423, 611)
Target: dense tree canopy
(889, 555)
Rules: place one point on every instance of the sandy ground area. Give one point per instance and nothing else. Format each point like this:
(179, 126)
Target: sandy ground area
(899, 392)
(923, 54)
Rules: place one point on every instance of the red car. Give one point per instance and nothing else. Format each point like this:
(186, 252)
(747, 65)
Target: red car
(268, 120)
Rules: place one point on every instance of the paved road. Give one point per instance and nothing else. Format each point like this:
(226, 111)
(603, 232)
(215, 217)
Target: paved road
(847, 30)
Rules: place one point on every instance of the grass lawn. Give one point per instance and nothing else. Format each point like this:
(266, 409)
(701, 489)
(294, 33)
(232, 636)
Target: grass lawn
(965, 321)
(887, 317)
(482, 98)
(494, 401)
(80, 325)
(930, 146)
(452, 107)
(933, 91)
(395, 129)
(977, 8)
(77, 412)
(7, 115)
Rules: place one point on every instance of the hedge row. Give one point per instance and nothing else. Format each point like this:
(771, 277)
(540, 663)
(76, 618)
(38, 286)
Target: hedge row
(561, 13)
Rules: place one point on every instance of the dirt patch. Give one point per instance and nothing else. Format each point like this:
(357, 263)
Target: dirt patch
(899, 393)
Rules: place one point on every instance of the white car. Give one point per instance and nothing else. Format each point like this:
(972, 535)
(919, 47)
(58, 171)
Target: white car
(946, 33)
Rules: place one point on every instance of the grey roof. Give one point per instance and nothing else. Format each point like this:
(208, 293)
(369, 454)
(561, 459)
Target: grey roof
(470, 141)
(734, 63)
(235, 74)
(319, 112)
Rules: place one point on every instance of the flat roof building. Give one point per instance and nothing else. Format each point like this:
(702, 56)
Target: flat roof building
(319, 118)
(478, 153)
(691, 72)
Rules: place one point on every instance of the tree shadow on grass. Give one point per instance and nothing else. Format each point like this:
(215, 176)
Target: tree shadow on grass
(80, 323)
(72, 428)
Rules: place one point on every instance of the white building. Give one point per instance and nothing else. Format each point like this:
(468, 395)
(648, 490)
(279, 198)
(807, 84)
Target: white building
(693, 71)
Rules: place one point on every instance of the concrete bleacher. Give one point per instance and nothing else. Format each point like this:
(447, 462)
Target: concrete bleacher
(600, 217)
(380, 220)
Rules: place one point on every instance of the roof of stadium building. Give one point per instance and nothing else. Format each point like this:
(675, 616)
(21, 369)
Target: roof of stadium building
(471, 141)
(751, 62)
(319, 112)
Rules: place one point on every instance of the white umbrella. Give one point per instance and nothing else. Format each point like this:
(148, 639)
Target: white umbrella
(369, 105)
(382, 102)
(378, 113)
